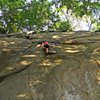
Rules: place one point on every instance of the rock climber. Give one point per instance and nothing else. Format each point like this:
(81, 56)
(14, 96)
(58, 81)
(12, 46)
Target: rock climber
(45, 46)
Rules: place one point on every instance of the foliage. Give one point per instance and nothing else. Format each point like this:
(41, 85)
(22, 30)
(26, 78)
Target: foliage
(16, 15)
(19, 14)
(63, 26)
(98, 26)
(78, 9)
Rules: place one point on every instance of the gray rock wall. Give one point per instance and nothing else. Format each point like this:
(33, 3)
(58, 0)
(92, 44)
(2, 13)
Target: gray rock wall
(71, 74)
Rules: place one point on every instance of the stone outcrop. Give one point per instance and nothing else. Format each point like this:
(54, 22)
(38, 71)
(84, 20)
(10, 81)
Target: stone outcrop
(73, 73)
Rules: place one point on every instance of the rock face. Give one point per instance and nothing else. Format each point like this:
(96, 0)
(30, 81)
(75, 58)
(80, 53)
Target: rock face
(71, 74)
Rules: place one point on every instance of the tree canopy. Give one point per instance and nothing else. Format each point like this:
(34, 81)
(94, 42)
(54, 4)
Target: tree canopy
(18, 15)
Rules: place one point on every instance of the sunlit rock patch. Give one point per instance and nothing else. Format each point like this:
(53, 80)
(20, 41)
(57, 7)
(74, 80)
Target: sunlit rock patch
(98, 76)
(74, 49)
(23, 96)
(97, 51)
(29, 56)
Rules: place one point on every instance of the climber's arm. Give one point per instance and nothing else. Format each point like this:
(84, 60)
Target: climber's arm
(39, 45)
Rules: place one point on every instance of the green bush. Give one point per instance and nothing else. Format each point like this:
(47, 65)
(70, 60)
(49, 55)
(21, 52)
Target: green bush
(63, 26)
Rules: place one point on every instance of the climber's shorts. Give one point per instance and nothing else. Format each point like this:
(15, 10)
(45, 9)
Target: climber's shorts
(46, 46)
